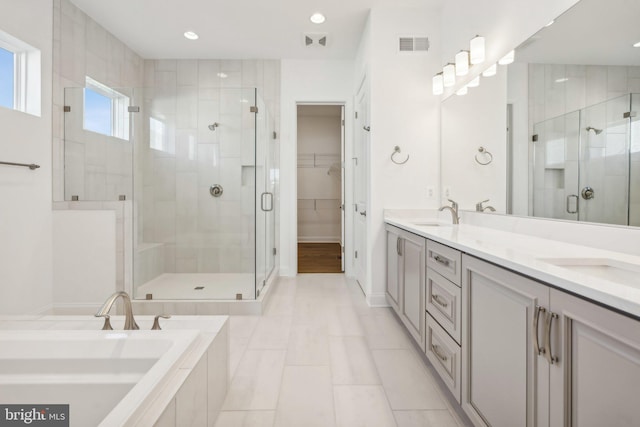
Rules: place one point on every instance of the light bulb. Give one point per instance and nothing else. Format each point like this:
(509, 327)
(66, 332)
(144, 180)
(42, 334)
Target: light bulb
(491, 71)
(462, 63)
(449, 75)
(438, 84)
(476, 50)
(475, 82)
(462, 91)
(508, 58)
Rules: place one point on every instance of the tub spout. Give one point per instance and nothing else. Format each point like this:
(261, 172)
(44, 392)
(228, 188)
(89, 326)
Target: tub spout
(129, 322)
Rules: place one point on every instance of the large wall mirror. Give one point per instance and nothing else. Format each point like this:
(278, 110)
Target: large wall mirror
(556, 134)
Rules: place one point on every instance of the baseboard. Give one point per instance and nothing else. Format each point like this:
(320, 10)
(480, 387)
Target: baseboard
(377, 300)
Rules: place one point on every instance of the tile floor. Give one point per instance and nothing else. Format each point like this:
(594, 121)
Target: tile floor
(319, 356)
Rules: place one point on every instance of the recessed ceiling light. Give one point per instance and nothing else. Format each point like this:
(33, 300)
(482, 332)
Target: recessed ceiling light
(562, 80)
(222, 75)
(191, 35)
(636, 44)
(317, 18)
(550, 23)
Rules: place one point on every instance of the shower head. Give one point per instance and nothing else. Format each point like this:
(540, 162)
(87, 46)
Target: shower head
(213, 126)
(597, 131)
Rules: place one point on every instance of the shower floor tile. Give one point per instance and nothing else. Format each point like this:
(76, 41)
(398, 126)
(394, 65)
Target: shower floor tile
(194, 286)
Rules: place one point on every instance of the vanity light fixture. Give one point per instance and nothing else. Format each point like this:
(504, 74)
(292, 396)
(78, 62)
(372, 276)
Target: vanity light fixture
(438, 84)
(462, 63)
(449, 75)
(508, 58)
(462, 91)
(476, 50)
(491, 71)
(317, 18)
(636, 44)
(191, 35)
(475, 82)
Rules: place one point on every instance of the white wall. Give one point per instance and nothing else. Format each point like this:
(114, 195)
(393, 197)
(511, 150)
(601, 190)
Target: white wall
(504, 24)
(304, 81)
(84, 259)
(403, 113)
(25, 215)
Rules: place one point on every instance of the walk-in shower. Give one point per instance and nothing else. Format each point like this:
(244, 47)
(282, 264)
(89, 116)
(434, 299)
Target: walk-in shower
(587, 164)
(166, 148)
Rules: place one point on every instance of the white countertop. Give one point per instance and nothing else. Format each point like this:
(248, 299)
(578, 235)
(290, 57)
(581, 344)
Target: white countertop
(523, 254)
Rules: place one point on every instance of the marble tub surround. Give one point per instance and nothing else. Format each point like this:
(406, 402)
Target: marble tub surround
(191, 393)
(542, 258)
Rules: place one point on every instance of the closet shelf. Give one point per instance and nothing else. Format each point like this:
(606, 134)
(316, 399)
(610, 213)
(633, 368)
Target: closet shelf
(316, 160)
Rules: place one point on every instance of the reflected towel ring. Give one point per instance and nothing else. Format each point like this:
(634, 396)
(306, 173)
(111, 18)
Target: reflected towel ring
(482, 150)
(396, 150)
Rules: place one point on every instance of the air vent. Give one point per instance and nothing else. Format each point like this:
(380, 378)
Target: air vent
(413, 44)
(315, 39)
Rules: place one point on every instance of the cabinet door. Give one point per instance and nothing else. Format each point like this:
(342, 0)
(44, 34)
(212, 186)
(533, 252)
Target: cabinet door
(505, 382)
(393, 259)
(596, 378)
(413, 284)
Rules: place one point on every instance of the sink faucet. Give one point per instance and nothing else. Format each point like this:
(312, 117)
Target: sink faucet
(454, 211)
(129, 322)
(480, 208)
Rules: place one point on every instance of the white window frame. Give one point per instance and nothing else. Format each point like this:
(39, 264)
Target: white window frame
(119, 108)
(26, 74)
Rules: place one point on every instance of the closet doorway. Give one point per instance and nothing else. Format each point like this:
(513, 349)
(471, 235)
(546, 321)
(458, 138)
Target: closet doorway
(320, 188)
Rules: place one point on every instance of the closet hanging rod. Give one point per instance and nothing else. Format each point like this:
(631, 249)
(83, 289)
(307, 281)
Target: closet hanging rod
(31, 166)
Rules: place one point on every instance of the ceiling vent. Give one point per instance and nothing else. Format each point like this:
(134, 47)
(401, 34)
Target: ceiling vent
(315, 39)
(413, 44)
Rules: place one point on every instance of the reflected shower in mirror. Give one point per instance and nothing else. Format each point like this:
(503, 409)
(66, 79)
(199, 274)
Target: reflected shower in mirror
(572, 138)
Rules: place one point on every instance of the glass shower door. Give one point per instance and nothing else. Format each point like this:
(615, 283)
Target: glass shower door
(634, 162)
(604, 162)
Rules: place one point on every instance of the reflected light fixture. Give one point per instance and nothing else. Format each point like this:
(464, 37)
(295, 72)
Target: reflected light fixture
(462, 63)
(317, 18)
(508, 58)
(449, 75)
(491, 71)
(550, 23)
(438, 84)
(462, 91)
(475, 82)
(191, 35)
(476, 50)
(222, 75)
(636, 44)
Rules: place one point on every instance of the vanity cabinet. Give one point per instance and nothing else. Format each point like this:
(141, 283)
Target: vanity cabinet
(406, 279)
(505, 381)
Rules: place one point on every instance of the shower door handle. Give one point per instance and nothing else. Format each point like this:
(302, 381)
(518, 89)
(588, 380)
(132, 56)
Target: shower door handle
(569, 203)
(263, 204)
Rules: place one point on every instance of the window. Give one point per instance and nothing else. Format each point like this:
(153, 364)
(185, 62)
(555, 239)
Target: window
(7, 78)
(106, 111)
(20, 76)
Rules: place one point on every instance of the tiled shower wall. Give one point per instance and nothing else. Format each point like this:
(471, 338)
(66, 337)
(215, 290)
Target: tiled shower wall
(180, 227)
(554, 91)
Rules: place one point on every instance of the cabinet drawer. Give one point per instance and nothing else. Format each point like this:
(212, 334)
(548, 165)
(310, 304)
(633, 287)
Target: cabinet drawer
(444, 354)
(444, 260)
(443, 302)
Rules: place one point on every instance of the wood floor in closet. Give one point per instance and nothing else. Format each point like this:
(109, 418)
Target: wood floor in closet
(319, 258)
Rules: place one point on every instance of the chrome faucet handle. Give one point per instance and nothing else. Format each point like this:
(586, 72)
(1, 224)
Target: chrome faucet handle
(107, 322)
(156, 321)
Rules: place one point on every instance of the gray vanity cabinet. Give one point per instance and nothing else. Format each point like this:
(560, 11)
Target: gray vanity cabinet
(406, 279)
(595, 377)
(505, 382)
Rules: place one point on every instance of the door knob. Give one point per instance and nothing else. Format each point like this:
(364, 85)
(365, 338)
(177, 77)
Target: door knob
(587, 193)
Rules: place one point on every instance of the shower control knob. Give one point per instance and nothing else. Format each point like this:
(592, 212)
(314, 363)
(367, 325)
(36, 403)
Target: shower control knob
(216, 190)
(587, 193)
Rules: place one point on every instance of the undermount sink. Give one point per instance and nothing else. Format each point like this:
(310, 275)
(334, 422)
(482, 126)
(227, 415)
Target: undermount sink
(604, 268)
(427, 224)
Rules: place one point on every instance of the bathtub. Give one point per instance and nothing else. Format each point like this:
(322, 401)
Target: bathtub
(106, 377)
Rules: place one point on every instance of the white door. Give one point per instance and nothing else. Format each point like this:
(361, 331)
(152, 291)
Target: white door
(342, 187)
(360, 186)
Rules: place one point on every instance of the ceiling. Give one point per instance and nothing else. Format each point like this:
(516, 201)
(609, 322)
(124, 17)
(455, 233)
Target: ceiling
(232, 29)
(593, 32)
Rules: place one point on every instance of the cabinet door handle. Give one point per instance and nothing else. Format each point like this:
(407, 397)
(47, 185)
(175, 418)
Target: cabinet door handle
(547, 338)
(536, 318)
(442, 260)
(399, 246)
(436, 351)
(439, 300)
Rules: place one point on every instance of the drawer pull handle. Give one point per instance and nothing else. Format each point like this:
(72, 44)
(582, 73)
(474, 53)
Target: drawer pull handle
(436, 351)
(536, 317)
(442, 260)
(547, 339)
(439, 300)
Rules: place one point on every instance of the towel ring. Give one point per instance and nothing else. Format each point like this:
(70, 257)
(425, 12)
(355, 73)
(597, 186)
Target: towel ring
(482, 150)
(396, 150)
